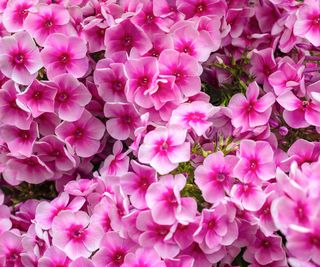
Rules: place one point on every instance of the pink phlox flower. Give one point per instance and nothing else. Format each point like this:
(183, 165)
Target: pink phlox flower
(117, 163)
(73, 233)
(113, 250)
(110, 79)
(137, 182)
(166, 204)
(249, 111)
(48, 19)
(123, 120)
(82, 136)
(194, 116)
(164, 148)
(19, 58)
(47, 211)
(184, 68)
(156, 236)
(256, 161)
(53, 257)
(20, 142)
(215, 176)
(81, 187)
(38, 98)
(65, 54)
(142, 77)
(10, 249)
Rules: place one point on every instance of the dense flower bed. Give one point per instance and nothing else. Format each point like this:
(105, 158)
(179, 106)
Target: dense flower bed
(164, 133)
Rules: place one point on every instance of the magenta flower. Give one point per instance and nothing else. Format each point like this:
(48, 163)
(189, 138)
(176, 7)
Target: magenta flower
(194, 116)
(256, 161)
(111, 80)
(142, 77)
(16, 12)
(65, 54)
(51, 150)
(156, 236)
(164, 148)
(307, 25)
(136, 183)
(20, 142)
(184, 68)
(217, 227)
(266, 250)
(249, 111)
(82, 136)
(263, 64)
(215, 176)
(201, 7)
(194, 43)
(124, 37)
(10, 249)
(53, 257)
(143, 257)
(47, 20)
(73, 233)
(167, 207)
(113, 250)
(95, 31)
(123, 120)
(38, 98)
(71, 98)
(250, 196)
(19, 58)
(288, 76)
(30, 169)
(46, 211)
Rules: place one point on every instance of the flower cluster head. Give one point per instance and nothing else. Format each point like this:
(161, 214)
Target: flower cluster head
(159, 133)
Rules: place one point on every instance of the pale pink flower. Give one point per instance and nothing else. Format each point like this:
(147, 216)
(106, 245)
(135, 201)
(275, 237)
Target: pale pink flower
(111, 80)
(16, 12)
(82, 136)
(10, 249)
(47, 211)
(266, 250)
(215, 176)
(53, 257)
(52, 151)
(123, 120)
(65, 54)
(249, 111)
(125, 36)
(5, 222)
(47, 20)
(256, 161)
(38, 98)
(167, 207)
(194, 115)
(136, 183)
(8, 106)
(307, 24)
(116, 163)
(113, 250)
(73, 233)
(71, 98)
(20, 142)
(184, 68)
(156, 236)
(217, 227)
(146, 257)
(30, 169)
(82, 261)
(81, 187)
(250, 196)
(164, 148)
(142, 77)
(19, 58)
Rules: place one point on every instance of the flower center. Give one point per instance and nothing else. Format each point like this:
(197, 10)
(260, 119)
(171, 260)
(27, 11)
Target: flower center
(164, 146)
(78, 133)
(315, 240)
(13, 256)
(212, 224)
(305, 104)
(149, 18)
(117, 86)
(221, 176)
(24, 135)
(37, 95)
(200, 8)
(266, 243)
(62, 97)
(64, 58)
(127, 41)
(253, 164)
(118, 257)
(48, 24)
(19, 58)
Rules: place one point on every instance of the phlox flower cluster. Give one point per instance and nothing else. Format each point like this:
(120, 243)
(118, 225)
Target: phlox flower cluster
(159, 133)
